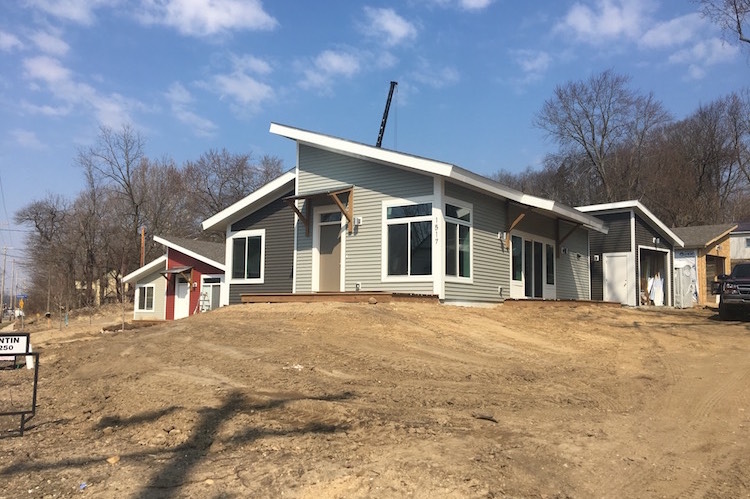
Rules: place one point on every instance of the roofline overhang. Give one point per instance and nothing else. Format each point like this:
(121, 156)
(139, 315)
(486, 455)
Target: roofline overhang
(153, 266)
(190, 253)
(250, 203)
(436, 168)
(637, 206)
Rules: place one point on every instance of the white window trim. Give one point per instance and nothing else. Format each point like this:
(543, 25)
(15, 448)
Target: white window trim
(138, 297)
(384, 277)
(220, 284)
(470, 225)
(230, 252)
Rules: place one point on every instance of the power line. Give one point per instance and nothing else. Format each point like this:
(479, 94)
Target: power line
(5, 208)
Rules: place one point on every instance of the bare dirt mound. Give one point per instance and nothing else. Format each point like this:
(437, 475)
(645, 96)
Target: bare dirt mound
(392, 400)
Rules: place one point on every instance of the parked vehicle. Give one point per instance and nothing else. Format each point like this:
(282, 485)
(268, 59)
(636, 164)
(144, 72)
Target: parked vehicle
(734, 291)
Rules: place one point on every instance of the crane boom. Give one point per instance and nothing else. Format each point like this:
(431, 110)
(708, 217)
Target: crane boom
(385, 114)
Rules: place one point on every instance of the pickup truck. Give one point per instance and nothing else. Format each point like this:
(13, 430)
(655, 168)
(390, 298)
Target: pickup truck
(734, 291)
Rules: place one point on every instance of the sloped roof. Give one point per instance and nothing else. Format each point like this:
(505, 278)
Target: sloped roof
(205, 251)
(742, 227)
(254, 201)
(436, 168)
(702, 236)
(637, 206)
(158, 264)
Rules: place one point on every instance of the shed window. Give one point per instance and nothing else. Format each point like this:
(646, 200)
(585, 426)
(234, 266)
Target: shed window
(457, 241)
(747, 242)
(146, 298)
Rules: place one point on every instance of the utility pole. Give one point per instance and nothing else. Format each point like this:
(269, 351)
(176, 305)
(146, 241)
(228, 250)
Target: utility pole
(2, 286)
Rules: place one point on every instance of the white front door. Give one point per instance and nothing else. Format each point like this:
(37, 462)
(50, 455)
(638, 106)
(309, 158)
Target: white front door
(533, 263)
(181, 298)
(618, 278)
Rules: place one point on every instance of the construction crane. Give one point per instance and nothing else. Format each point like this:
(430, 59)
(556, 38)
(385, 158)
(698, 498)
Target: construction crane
(385, 114)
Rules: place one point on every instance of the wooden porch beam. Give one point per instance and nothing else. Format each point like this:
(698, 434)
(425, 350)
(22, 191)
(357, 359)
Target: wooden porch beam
(305, 219)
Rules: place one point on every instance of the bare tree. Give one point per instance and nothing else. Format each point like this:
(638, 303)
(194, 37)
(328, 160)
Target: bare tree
(731, 15)
(595, 119)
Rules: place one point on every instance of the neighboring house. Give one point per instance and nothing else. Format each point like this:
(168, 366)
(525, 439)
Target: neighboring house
(739, 242)
(632, 264)
(706, 256)
(354, 217)
(187, 279)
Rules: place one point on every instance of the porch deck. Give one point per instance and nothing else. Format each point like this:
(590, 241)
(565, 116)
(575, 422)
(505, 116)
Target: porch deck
(345, 297)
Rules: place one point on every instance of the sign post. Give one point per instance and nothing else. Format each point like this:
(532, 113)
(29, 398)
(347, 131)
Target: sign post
(12, 346)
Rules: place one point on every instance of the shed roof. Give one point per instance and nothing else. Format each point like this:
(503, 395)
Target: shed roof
(158, 264)
(436, 168)
(637, 206)
(702, 236)
(204, 251)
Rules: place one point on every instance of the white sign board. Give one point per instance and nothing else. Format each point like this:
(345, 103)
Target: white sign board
(14, 344)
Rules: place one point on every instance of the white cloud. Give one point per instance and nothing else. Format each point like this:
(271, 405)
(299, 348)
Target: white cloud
(242, 87)
(386, 24)
(45, 110)
(328, 65)
(179, 98)
(110, 110)
(26, 138)
(704, 54)
(77, 11)
(50, 44)
(474, 4)
(532, 61)
(9, 42)
(208, 17)
(607, 19)
(252, 64)
(676, 31)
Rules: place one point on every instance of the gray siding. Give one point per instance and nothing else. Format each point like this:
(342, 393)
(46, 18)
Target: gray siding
(616, 241)
(572, 268)
(373, 183)
(277, 218)
(491, 259)
(160, 298)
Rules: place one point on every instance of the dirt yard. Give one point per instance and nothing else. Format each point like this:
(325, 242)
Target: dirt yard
(389, 400)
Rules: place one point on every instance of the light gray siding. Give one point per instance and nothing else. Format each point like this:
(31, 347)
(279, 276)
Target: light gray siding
(373, 183)
(160, 298)
(573, 267)
(491, 259)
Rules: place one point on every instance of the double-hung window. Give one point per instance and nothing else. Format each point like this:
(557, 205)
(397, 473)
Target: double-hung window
(248, 251)
(145, 298)
(457, 240)
(409, 239)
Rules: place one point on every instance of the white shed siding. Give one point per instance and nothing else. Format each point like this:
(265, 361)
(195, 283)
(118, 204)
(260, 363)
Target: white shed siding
(491, 260)
(573, 268)
(373, 183)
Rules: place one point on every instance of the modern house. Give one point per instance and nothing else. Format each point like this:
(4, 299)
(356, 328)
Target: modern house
(631, 264)
(186, 280)
(705, 256)
(354, 217)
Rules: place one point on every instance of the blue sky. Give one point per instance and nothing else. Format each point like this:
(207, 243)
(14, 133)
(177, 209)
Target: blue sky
(198, 74)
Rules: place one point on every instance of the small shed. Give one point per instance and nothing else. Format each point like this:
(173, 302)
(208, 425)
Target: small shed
(706, 255)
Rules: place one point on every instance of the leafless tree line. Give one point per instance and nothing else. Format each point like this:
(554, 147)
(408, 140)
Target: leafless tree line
(616, 143)
(94, 238)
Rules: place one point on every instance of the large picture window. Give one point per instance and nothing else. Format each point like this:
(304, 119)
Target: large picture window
(457, 241)
(247, 256)
(409, 239)
(146, 298)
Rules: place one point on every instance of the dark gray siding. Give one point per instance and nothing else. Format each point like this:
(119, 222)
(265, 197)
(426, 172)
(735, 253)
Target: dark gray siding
(644, 236)
(616, 241)
(277, 218)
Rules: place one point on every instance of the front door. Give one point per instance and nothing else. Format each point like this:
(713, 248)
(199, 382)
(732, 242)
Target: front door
(619, 285)
(532, 267)
(329, 252)
(181, 298)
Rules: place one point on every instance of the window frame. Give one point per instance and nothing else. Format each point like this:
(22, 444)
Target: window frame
(141, 307)
(245, 234)
(470, 224)
(209, 281)
(386, 222)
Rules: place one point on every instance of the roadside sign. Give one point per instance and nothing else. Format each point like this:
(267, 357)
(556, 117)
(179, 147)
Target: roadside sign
(15, 344)
(20, 304)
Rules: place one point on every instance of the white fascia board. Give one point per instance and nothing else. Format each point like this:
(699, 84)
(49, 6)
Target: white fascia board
(432, 167)
(249, 203)
(192, 254)
(638, 207)
(159, 263)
